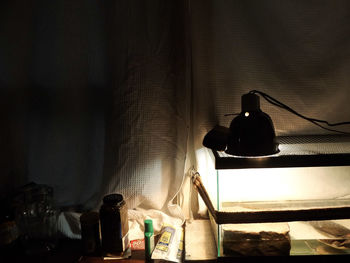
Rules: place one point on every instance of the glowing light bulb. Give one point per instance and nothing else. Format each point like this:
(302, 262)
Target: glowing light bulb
(246, 114)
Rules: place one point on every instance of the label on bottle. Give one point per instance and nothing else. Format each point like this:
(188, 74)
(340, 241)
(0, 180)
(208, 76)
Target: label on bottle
(151, 243)
(126, 242)
(137, 244)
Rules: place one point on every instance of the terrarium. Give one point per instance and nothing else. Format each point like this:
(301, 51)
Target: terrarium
(294, 202)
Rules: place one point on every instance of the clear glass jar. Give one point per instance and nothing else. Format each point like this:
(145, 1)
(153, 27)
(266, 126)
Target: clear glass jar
(36, 217)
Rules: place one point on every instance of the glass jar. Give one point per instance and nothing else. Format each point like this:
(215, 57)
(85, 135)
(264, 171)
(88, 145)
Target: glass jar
(36, 217)
(114, 225)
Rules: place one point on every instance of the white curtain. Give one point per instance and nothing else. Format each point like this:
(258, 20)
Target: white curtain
(149, 126)
(116, 96)
(296, 51)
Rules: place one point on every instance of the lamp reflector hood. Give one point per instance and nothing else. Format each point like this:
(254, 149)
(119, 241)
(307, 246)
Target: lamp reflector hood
(252, 132)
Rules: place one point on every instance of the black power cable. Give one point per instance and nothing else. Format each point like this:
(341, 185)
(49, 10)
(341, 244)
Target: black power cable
(317, 122)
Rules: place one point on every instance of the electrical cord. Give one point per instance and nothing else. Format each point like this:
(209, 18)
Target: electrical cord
(316, 122)
(231, 114)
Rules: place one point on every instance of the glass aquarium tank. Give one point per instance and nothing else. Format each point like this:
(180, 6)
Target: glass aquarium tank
(296, 202)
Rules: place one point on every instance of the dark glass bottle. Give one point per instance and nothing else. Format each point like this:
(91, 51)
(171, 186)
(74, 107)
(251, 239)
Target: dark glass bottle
(90, 233)
(114, 225)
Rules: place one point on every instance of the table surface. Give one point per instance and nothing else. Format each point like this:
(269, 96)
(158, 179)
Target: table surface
(136, 257)
(69, 251)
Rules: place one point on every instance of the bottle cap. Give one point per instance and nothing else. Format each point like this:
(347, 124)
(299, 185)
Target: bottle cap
(113, 199)
(148, 225)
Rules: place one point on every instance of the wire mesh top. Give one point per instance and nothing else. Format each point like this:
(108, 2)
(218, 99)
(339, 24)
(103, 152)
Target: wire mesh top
(295, 151)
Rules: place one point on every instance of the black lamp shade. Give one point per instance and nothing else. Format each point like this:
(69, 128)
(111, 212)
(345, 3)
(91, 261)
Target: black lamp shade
(252, 132)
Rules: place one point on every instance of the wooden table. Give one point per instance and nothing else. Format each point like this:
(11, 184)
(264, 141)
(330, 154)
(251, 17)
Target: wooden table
(136, 257)
(67, 251)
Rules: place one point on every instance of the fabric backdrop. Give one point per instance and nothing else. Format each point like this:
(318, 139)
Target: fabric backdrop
(296, 51)
(116, 96)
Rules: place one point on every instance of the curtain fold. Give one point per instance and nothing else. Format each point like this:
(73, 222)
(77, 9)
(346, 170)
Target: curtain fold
(149, 124)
